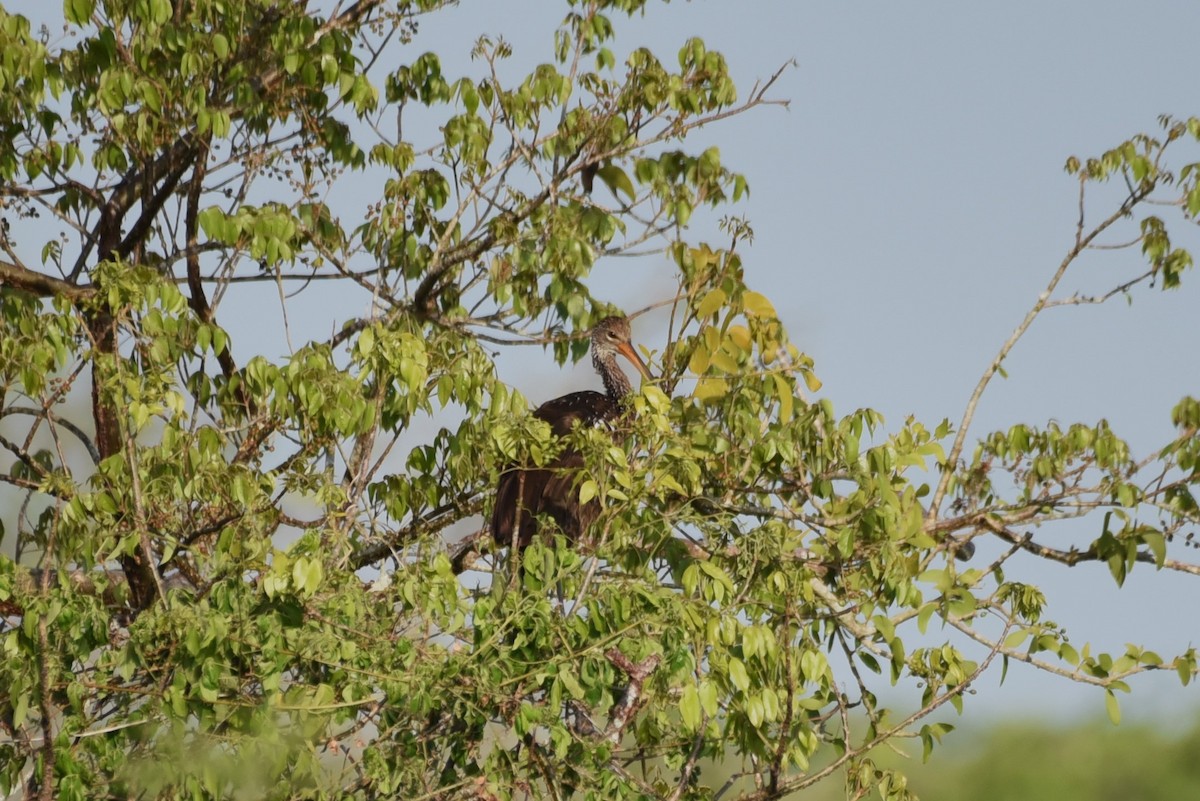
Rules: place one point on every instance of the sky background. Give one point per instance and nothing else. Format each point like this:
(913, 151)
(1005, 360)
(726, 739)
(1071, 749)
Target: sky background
(908, 208)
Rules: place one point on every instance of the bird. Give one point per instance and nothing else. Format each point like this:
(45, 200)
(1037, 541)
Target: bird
(523, 494)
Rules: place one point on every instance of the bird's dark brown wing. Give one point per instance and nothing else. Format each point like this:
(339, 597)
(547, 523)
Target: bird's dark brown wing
(517, 497)
(560, 498)
(552, 490)
(585, 408)
(523, 495)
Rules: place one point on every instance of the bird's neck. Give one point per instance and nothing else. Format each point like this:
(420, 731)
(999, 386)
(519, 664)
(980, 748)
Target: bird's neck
(616, 384)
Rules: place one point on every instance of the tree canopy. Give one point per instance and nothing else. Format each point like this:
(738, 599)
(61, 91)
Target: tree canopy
(227, 573)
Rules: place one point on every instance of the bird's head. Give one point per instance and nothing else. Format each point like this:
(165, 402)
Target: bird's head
(611, 337)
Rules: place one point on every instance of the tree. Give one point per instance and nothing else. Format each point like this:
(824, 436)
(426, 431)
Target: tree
(225, 574)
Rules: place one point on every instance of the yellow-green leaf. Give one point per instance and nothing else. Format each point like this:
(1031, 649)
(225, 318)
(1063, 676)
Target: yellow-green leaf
(714, 300)
(711, 389)
(757, 304)
(738, 674)
(366, 341)
(724, 361)
(1015, 639)
(786, 400)
(220, 44)
(739, 335)
(689, 707)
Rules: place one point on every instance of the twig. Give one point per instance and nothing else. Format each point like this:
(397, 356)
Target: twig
(1079, 300)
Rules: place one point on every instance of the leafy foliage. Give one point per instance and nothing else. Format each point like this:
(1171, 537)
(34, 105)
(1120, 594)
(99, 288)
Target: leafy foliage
(227, 576)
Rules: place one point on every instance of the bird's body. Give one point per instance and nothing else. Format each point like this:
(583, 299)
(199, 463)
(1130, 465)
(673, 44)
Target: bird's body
(525, 494)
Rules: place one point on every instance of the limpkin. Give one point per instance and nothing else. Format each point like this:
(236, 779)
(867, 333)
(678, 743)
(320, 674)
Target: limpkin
(525, 493)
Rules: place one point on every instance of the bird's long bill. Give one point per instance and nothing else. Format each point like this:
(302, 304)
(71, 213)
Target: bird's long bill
(628, 352)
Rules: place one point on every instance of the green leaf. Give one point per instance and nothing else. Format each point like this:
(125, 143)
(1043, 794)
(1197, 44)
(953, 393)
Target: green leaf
(151, 97)
(724, 362)
(366, 341)
(1185, 666)
(719, 575)
(923, 616)
(708, 698)
(738, 675)
(689, 708)
(1014, 639)
(1158, 546)
(307, 575)
(617, 181)
(220, 46)
(1112, 707)
(20, 708)
(79, 12)
(755, 711)
(567, 677)
(160, 11)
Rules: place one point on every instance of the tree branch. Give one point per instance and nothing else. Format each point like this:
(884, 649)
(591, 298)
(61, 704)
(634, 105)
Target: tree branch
(435, 520)
(1073, 557)
(105, 235)
(83, 438)
(18, 277)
